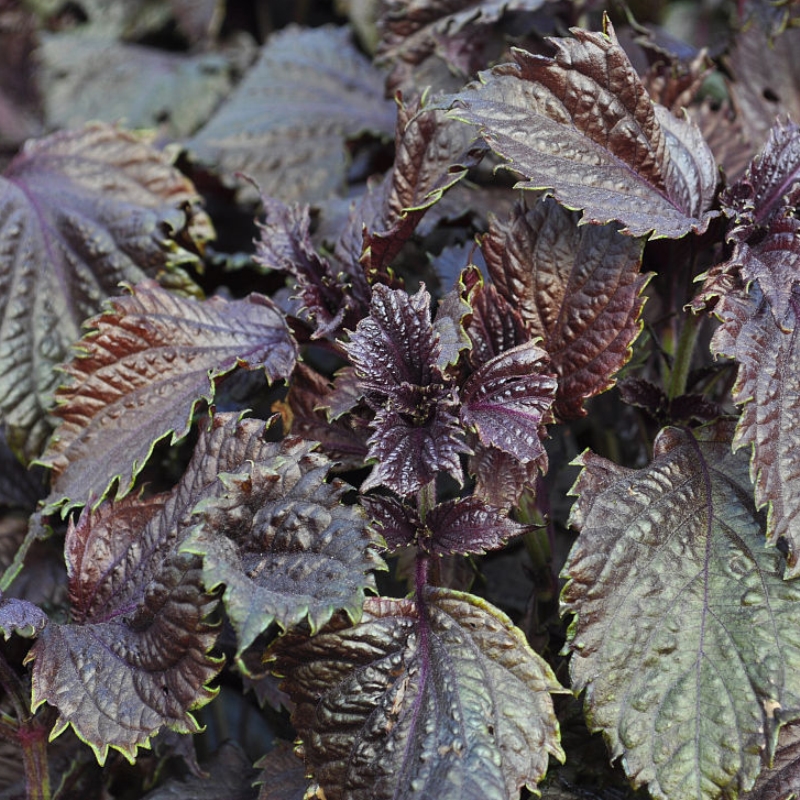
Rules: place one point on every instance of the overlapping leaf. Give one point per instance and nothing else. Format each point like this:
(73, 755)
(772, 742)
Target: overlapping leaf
(283, 543)
(80, 211)
(139, 374)
(410, 449)
(467, 525)
(287, 123)
(414, 33)
(782, 779)
(135, 657)
(285, 244)
(768, 389)
(583, 125)
(508, 400)
(686, 635)
(442, 700)
(578, 288)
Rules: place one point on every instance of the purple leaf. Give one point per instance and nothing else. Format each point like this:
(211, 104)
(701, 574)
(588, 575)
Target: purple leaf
(81, 211)
(20, 617)
(443, 700)
(768, 389)
(467, 526)
(398, 521)
(781, 779)
(140, 373)
(409, 452)
(284, 244)
(620, 158)
(496, 324)
(508, 400)
(283, 775)
(283, 544)
(415, 33)
(396, 344)
(500, 478)
(769, 185)
(135, 656)
(577, 287)
(287, 123)
(671, 586)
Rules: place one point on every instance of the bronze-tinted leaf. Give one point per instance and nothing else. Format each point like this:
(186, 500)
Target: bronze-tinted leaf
(286, 548)
(139, 374)
(768, 389)
(287, 123)
(583, 125)
(686, 637)
(442, 700)
(135, 656)
(80, 211)
(576, 287)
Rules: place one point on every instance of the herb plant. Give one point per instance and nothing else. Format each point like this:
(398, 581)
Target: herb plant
(501, 249)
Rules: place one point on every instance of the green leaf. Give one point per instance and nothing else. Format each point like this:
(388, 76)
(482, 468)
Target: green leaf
(443, 700)
(283, 543)
(686, 638)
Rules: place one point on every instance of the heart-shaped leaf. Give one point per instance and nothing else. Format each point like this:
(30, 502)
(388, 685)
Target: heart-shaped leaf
(582, 124)
(139, 374)
(686, 635)
(444, 699)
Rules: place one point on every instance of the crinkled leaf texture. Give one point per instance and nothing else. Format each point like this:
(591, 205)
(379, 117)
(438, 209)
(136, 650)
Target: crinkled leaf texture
(768, 389)
(508, 400)
(135, 656)
(139, 373)
(442, 700)
(782, 780)
(396, 353)
(80, 211)
(20, 617)
(686, 638)
(578, 288)
(287, 123)
(583, 125)
(284, 545)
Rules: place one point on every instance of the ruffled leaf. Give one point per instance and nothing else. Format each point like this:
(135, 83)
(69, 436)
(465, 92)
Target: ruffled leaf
(80, 211)
(135, 656)
(139, 375)
(446, 700)
(496, 324)
(508, 400)
(768, 389)
(409, 452)
(686, 635)
(500, 478)
(583, 125)
(287, 123)
(396, 344)
(283, 544)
